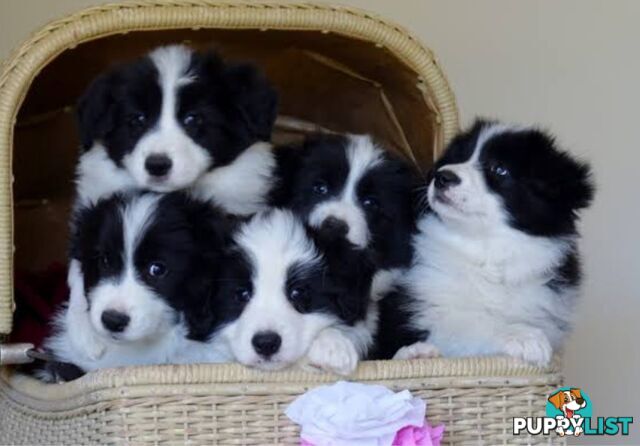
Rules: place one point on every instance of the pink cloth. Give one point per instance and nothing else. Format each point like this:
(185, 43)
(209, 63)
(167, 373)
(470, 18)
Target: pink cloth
(411, 436)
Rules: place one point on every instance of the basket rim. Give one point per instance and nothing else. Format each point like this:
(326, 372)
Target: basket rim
(494, 370)
(44, 45)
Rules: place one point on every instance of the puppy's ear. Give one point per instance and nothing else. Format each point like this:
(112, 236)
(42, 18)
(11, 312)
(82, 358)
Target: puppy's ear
(568, 181)
(348, 276)
(576, 392)
(211, 230)
(254, 98)
(557, 399)
(96, 111)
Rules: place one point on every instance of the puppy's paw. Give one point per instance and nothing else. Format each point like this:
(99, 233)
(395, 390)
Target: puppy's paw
(532, 347)
(333, 352)
(417, 350)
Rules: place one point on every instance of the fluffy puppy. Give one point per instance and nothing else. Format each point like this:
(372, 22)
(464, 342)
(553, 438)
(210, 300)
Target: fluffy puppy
(178, 119)
(496, 268)
(280, 291)
(351, 190)
(142, 268)
(351, 186)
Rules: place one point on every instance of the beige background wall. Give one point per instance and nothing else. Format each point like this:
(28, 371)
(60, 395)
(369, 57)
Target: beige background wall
(572, 66)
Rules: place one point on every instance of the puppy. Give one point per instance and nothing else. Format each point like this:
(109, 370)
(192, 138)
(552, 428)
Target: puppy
(496, 267)
(142, 268)
(350, 189)
(178, 119)
(280, 291)
(351, 186)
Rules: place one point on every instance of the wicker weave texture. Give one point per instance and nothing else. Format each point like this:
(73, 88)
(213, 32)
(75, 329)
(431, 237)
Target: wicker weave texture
(29, 59)
(191, 407)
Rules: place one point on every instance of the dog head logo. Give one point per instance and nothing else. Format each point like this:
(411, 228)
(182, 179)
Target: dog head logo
(569, 402)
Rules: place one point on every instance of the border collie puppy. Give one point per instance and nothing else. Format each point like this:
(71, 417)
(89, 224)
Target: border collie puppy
(142, 269)
(350, 186)
(282, 300)
(496, 268)
(177, 119)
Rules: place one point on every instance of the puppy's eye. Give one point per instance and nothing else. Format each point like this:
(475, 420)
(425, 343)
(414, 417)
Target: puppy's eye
(192, 120)
(243, 294)
(137, 120)
(157, 270)
(499, 170)
(370, 203)
(320, 187)
(297, 293)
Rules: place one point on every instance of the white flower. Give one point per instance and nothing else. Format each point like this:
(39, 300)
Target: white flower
(354, 414)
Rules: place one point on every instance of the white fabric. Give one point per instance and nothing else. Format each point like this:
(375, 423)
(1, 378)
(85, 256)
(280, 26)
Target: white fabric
(354, 414)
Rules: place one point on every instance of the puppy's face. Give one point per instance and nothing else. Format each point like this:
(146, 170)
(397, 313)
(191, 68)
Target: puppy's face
(141, 272)
(569, 399)
(175, 114)
(349, 186)
(272, 297)
(494, 175)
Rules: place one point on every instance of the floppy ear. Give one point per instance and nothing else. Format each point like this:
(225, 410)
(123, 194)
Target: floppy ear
(211, 231)
(576, 392)
(348, 276)
(96, 111)
(254, 98)
(570, 181)
(557, 399)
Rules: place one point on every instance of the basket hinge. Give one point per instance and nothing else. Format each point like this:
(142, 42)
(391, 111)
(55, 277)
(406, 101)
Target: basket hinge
(16, 353)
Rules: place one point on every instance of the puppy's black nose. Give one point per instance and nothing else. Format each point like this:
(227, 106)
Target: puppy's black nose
(335, 227)
(266, 343)
(115, 321)
(158, 165)
(580, 401)
(446, 178)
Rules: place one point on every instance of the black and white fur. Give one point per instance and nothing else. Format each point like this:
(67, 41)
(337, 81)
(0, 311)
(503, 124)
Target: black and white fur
(284, 301)
(143, 266)
(350, 184)
(349, 188)
(178, 119)
(496, 268)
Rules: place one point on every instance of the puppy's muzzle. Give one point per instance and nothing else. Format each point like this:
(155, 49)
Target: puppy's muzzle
(158, 165)
(334, 227)
(445, 178)
(266, 343)
(115, 321)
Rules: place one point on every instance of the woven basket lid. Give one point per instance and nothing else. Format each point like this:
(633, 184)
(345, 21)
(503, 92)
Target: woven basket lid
(338, 68)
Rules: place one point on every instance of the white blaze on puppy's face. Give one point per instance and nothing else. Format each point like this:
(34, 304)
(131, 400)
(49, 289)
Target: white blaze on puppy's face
(362, 155)
(166, 158)
(275, 325)
(463, 198)
(123, 300)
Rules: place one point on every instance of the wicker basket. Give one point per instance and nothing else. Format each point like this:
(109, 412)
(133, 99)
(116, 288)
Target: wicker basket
(342, 69)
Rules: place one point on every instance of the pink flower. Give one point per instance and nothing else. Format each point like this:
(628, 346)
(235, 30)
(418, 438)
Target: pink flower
(419, 436)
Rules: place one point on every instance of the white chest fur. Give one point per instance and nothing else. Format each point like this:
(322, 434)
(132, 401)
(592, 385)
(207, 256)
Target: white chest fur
(239, 188)
(477, 294)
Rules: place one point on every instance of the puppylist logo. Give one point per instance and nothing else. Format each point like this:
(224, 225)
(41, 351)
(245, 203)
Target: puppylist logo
(569, 412)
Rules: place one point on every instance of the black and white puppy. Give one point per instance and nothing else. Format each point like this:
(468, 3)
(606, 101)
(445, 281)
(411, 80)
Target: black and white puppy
(283, 302)
(350, 186)
(178, 119)
(496, 268)
(142, 268)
